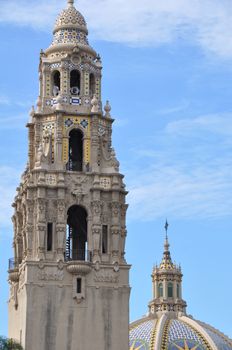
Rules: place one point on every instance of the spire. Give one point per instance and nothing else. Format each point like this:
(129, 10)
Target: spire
(70, 3)
(167, 285)
(166, 262)
(166, 244)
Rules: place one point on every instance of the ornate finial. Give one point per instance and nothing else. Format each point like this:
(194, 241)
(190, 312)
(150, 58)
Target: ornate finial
(32, 112)
(70, 3)
(107, 109)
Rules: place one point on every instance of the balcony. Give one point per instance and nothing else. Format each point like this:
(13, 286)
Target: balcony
(13, 269)
(78, 254)
(78, 261)
(73, 165)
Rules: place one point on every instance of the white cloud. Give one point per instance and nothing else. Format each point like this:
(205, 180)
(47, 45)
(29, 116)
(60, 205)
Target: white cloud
(214, 123)
(29, 13)
(135, 22)
(4, 100)
(173, 193)
(174, 109)
(185, 177)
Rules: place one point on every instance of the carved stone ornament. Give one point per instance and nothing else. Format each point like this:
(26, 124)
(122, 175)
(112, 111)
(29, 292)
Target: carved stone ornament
(49, 275)
(124, 208)
(78, 194)
(97, 266)
(41, 228)
(61, 206)
(51, 179)
(106, 277)
(101, 131)
(115, 206)
(105, 182)
(60, 265)
(116, 266)
(96, 207)
(41, 265)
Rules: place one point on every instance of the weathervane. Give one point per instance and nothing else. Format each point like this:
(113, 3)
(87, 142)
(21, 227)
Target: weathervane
(166, 228)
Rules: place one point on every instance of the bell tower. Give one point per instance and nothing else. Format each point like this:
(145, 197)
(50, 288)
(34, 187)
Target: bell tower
(69, 280)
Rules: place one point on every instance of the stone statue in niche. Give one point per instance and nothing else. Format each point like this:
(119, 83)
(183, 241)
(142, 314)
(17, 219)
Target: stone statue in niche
(47, 148)
(108, 154)
(44, 153)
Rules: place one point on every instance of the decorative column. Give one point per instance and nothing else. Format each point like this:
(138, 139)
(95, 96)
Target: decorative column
(95, 146)
(61, 228)
(96, 206)
(41, 227)
(59, 139)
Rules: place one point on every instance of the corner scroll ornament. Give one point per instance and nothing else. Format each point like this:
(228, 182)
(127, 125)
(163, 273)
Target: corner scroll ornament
(124, 208)
(115, 207)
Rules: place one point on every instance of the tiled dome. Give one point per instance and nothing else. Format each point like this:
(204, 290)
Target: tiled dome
(70, 30)
(70, 18)
(168, 327)
(176, 334)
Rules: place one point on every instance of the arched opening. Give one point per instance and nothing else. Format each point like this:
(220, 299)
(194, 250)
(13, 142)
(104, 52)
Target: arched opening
(76, 243)
(91, 84)
(75, 150)
(178, 290)
(75, 82)
(160, 290)
(56, 83)
(170, 290)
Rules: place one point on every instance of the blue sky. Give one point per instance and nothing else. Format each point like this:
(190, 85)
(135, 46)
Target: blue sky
(167, 73)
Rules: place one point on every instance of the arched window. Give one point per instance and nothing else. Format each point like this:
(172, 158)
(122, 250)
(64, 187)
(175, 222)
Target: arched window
(56, 83)
(161, 290)
(75, 162)
(75, 82)
(170, 290)
(178, 290)
(76, 243)
(91, 84)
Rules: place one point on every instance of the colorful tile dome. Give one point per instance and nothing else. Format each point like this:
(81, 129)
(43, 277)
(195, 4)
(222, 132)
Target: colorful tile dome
(167, 326)
(70, 31)
(70, 18)
(182, 333)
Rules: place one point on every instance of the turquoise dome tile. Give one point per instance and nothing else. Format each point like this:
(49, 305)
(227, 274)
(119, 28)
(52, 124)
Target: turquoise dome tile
(218, 339)
(180, 330)
(142, 332)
